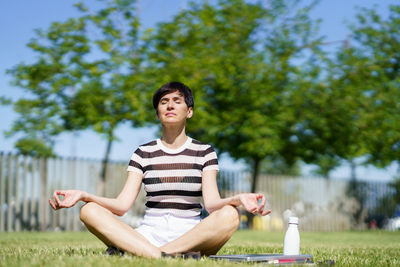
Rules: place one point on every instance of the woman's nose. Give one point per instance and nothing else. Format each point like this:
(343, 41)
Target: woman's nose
(170, 104)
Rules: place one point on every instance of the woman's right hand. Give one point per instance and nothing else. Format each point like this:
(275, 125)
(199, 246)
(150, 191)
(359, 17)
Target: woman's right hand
(71, 197)
(250, 202)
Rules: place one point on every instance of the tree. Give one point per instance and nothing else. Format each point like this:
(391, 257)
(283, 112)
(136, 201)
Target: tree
(239, 59)
(377, 44)
(88, 74)
(279, 166)
(331, 119)
(356, 99)
(358, 104)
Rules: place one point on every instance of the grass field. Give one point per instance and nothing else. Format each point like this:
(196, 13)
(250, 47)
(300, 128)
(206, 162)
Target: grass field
(371, 248)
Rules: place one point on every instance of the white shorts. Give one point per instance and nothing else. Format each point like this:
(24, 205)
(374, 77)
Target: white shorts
(162, 229)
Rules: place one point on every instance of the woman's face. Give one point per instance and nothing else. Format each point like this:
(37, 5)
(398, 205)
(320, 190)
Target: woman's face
(172, 109)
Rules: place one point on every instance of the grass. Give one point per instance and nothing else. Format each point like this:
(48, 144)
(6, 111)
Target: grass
(370, 248)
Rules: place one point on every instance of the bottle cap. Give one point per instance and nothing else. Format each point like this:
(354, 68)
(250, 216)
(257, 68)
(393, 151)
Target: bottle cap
(294, 220)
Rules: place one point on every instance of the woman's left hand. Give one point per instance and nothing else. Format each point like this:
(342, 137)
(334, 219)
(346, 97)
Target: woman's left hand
(71, 197)
(250, 203)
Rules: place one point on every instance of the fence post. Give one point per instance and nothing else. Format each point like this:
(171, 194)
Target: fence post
(2, 190)
(42, 192)
(75, 214)
(24, 215)
(50, 174)
(10, 194)
(66, 184)
(56, 166)
(33, 206)
(17, 200)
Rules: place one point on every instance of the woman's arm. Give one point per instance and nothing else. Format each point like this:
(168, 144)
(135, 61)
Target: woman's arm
(213, 201)
(118, 206)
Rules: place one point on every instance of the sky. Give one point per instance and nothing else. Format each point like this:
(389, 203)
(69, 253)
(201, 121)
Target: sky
(19, 19)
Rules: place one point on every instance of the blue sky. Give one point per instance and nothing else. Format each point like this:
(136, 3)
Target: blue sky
(19, 18)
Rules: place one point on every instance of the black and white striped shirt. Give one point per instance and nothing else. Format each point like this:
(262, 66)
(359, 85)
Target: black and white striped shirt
(172, 177)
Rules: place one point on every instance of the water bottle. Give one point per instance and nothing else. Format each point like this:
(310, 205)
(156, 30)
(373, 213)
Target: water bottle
(291, 245)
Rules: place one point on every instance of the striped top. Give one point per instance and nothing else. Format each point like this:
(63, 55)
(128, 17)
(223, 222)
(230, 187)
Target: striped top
(172, 177)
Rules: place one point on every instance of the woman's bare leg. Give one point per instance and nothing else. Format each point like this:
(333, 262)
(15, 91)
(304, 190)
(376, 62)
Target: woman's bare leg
(209, 235)
(109, 229)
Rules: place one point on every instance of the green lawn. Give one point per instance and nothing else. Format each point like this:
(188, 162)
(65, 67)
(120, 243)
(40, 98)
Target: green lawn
(371, 248)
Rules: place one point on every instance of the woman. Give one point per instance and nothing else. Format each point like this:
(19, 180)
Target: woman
(176, 172)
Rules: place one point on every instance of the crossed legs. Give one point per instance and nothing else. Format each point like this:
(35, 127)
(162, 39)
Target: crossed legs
(208, 236)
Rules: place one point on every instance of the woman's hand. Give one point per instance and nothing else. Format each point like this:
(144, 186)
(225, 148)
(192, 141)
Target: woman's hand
(71, 197)
(250, 203)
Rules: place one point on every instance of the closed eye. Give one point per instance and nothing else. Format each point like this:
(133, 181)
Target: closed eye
(178, 100)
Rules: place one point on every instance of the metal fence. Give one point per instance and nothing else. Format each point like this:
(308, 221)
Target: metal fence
(321, 204)
(26, 184)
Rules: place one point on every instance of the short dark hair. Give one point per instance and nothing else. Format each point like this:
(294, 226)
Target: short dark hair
(170, 88)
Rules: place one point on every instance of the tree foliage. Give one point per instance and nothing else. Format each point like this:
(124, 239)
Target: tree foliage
(239, 57)
(87, 75)
(265, 91)
(350, 111)
(376, 52)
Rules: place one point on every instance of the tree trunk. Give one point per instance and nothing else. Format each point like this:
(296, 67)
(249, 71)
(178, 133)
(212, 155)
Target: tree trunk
(103, 176)
(256, 168)
(353, 167)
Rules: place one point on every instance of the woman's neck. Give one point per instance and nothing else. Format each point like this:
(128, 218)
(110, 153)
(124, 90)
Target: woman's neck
(173, 137)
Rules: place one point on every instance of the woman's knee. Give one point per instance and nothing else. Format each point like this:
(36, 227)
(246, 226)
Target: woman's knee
(89, 210)
(230, 216)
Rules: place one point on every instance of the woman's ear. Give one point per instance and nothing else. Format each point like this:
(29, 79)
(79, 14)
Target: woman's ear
(189, 113)
(158, 118)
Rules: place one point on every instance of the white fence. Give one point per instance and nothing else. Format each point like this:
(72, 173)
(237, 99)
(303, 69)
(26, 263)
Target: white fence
(27, 183)
(321, 204)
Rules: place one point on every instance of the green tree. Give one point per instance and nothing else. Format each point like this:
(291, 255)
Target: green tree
(88, 75)
(359, 99)
(279, 166)
(331, 119)
(376, 43)
(242, 60)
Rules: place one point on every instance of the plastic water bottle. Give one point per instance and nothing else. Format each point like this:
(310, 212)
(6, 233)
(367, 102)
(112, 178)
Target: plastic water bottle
(291, 245)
